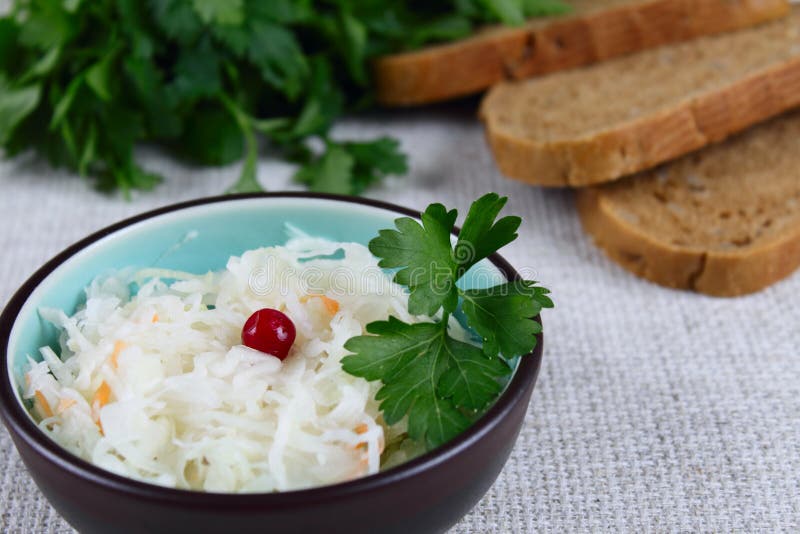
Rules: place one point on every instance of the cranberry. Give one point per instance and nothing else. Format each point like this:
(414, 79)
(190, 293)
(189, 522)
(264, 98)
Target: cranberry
(269, 331)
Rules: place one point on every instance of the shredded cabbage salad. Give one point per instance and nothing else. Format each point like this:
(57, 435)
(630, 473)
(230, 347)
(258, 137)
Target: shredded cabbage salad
(153, 382)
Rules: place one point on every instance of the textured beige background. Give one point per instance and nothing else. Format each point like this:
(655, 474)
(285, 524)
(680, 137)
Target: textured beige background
(655, 410)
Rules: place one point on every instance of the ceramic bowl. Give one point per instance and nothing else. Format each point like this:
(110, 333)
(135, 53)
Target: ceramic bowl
(427, 494)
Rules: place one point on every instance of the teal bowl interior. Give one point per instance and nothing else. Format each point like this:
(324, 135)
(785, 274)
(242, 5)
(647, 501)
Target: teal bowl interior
(198, 239)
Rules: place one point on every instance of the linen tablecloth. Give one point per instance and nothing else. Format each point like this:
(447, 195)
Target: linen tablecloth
(655, 410)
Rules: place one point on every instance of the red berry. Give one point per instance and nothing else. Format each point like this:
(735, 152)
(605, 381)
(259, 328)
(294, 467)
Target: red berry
(269, 331)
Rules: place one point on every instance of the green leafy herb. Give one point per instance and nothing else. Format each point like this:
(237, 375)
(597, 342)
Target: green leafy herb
(81, 82)
(425, 256)
(442, 384)
(15, 104)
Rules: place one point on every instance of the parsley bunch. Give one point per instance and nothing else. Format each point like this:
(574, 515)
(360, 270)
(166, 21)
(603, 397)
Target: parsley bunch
(82, 81)
(439, 382)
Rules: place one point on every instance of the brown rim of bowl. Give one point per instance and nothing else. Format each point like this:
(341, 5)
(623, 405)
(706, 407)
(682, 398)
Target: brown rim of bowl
(17, 420)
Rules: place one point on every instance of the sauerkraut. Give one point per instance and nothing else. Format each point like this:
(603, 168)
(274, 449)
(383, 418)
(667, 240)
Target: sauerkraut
(151, 382)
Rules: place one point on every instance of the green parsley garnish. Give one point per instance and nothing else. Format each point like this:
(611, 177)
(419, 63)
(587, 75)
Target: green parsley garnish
(81, 82)
(440, 383)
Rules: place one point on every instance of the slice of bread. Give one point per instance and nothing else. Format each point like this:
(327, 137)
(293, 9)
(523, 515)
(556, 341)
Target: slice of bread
(595, 30)
(599, 123)
(723, 221)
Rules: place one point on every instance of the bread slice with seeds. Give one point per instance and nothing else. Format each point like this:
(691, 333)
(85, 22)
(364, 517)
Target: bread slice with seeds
(603, 122)
(724, 221)
(593, 31)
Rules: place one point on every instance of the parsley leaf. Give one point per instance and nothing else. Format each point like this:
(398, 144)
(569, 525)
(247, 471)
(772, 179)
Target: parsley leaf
(410, 359)
(196, 74)
(178, 19)
(276, 52)
(15, 105)
(501, 316)
(222, 12)
(481, 235)
(425, 257)
(388, 356)
(47, 26)
(373, 160)
(350, 167)
(471, 381)
(331, 173)
(439, 383)
(98, 77)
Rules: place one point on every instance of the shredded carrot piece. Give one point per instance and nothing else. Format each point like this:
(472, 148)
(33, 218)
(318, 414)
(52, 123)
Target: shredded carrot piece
(119, 346)
(102, 395)
(65, 404)
(155, 318)
(331, 305)
(27, 379)
(361, 429)
(46, 410)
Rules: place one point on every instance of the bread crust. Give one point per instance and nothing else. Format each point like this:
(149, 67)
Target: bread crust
(649, 140)
(718, 273)
(471, 65)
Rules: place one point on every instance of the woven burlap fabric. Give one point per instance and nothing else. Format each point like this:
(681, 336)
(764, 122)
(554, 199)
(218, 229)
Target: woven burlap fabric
(656, 410)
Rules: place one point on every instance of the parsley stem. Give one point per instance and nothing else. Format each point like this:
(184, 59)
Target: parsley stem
(248, 183)
(267, 126)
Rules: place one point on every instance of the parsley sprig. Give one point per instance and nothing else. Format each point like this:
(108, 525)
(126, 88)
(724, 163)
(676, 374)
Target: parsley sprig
(440, 383)
(81, 82)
